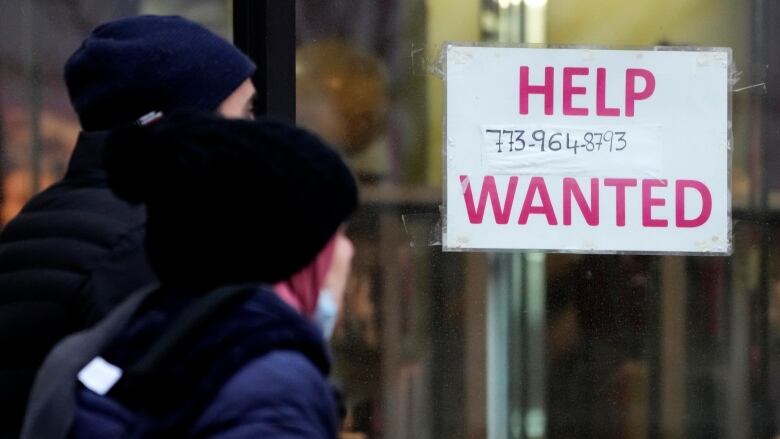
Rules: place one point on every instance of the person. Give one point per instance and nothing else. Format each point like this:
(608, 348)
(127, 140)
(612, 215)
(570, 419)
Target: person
(245, 225)
(75, 250)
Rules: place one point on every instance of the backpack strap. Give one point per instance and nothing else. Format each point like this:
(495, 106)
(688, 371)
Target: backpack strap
(52, 403)
(188, 326)
(142, 378)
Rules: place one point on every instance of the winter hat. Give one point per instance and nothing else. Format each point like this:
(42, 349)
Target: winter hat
(129, 67)
(230, 201)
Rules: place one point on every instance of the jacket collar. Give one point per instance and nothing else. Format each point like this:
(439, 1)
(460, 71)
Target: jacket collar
(87, 158)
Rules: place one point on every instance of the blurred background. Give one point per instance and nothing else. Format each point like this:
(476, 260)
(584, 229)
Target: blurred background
(474, 345)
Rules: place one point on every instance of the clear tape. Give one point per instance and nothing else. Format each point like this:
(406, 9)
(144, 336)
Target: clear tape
(734, 75)
(423, 229)
(419, 61)
(754, 84)
(762, 90)
(425, 65)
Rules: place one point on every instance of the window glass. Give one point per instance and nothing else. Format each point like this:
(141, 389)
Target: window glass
(404, 346)
(531, 345)
(477, 345)
(38, 127)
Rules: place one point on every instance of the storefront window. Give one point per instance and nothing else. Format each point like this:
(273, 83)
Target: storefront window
(399, 349)
(483, 345)
(38, 127)
(558, 346)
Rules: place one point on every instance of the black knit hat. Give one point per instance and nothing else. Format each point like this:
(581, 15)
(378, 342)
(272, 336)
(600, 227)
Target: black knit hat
(230, 200)
(131, 66)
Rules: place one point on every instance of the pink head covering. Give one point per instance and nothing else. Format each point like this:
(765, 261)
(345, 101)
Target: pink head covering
(302, 289)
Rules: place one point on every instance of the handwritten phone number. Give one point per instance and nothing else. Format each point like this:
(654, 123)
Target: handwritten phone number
(554, 140)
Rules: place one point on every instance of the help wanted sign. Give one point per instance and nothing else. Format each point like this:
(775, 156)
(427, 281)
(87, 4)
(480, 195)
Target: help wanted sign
(587, 150)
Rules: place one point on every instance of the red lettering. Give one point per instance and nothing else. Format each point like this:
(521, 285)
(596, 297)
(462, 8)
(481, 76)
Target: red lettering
(546, 89)
(632, 95)
(601, 95)
(537, 201)
(648, 202)
(706, 201)
(500, 214)
(572, 190)
(620, 185)
(537, 185)
(569, 90)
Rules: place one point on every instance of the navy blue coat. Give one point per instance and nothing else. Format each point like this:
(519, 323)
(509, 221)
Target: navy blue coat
(73, 252)
(281, 392)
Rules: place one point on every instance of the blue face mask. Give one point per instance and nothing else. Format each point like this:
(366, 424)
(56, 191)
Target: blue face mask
(326, 313)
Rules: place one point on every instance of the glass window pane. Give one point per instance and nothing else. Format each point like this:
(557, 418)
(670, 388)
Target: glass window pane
(631, 346)
(476, 345)
(38, 127)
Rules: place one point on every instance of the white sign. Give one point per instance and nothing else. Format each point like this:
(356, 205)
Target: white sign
(587, 150)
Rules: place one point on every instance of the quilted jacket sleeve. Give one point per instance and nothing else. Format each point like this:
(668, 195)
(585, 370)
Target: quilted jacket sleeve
(280, 395)
(122, 270)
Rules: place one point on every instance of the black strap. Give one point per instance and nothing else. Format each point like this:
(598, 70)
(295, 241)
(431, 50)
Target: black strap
(186, 327)
(144, 383)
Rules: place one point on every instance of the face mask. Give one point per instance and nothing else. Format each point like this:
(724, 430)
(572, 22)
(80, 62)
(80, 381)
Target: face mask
(326, 313)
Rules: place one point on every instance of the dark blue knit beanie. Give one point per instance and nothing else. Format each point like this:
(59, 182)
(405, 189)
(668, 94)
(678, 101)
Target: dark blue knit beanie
(129, 67)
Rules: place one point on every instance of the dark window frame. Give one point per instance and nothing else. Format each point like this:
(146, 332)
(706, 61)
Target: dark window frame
(265, 30)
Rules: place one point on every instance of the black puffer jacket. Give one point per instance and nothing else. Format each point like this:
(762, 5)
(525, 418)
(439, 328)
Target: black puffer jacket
(73, 252)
